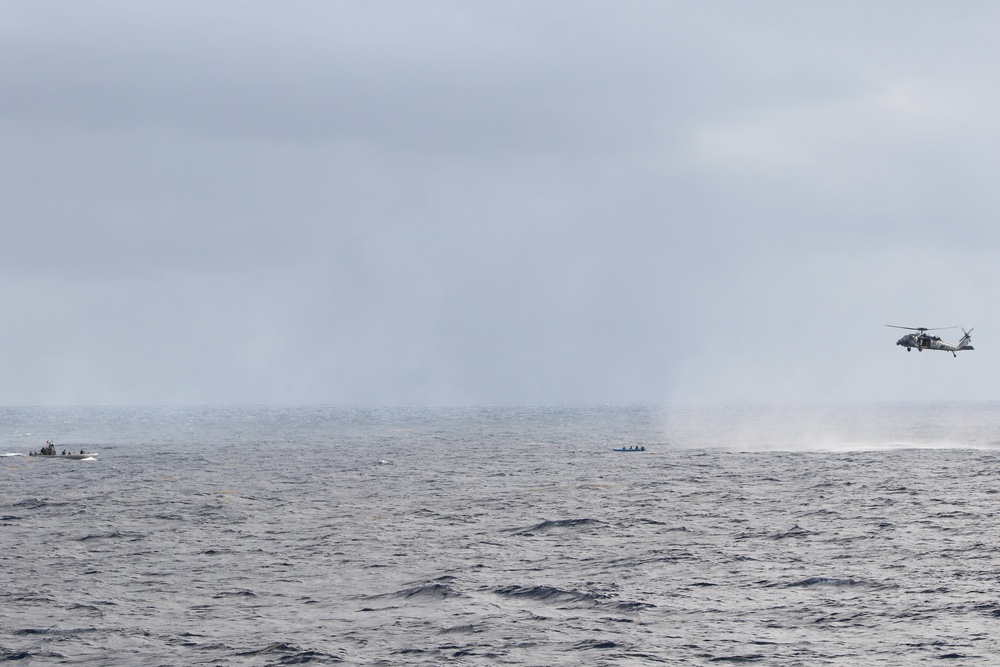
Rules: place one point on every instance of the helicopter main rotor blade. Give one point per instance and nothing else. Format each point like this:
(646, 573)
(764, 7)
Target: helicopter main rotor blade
(894, 326)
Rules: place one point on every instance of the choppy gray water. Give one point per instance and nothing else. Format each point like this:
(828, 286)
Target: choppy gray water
(501, 536)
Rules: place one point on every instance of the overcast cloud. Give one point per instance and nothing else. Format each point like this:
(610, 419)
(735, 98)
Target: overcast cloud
(496, 202)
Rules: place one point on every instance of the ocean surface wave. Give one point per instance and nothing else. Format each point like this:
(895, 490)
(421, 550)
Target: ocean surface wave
(501, 536)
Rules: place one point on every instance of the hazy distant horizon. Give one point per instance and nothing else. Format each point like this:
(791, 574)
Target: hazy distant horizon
(676, 405)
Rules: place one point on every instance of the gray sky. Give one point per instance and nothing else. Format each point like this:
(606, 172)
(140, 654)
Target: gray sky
(496, 202)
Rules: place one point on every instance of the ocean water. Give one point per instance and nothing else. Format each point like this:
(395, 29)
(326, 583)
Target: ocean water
(807, 535)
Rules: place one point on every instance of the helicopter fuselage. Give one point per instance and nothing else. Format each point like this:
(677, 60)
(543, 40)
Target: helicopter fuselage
(927, 342)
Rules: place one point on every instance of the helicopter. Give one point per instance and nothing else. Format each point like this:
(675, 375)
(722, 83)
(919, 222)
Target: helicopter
(925, 341)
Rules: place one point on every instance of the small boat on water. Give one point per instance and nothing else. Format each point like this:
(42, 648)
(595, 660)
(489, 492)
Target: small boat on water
(629, 449)
(49, 452)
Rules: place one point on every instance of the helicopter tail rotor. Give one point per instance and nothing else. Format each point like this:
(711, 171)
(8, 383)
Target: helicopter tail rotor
(966, 342)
